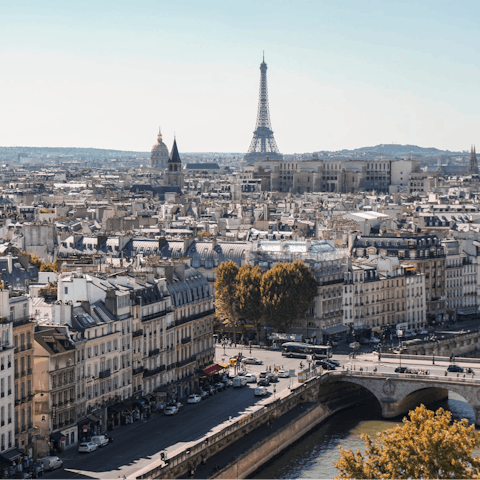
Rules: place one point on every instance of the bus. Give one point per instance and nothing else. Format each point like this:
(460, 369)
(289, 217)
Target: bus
(301, 350)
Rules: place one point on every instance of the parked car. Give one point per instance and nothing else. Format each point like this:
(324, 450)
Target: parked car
(51, 463)
(423, 332)
(251, 378)
(202, 393)
(211, 390)
(87, 447)
(263, 374)
(194, 398)
(239, 382)
(283, 373)
(455, 368)
(261, 391)
(401, 369)
(252, 361)
(220, 386)
(171, 410)
(263, 382)
(36, 470)
(227, 381)
(100, 440)
(272, 377)
(333, 362)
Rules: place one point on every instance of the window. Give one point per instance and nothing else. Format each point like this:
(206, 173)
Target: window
(66, 290)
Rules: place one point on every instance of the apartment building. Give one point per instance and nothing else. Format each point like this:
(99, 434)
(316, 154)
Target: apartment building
(423, 252)
(55, 390)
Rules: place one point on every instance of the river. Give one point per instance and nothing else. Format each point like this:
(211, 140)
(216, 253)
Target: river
(314, 455)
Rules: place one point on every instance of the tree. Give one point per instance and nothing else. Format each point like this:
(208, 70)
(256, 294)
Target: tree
(288, 290)
(248, 295)
(428, 445)
(226, 294)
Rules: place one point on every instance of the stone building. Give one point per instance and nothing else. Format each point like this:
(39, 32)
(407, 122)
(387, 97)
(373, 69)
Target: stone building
(327, 265)
(55, 390)
(174, 175)
(159, 155)
(424, 252)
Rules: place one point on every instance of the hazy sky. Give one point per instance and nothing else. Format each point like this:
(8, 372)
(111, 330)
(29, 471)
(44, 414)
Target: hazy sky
(341, 74)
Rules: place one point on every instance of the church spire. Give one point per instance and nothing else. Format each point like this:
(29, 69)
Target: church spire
(159, 135)
(473, 163)
(174, 155)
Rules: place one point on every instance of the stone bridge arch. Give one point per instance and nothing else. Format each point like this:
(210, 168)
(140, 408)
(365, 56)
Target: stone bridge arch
(398, 394)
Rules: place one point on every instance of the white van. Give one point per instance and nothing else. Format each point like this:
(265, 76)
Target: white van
(51, 463)
(239, 382)
(100, 440)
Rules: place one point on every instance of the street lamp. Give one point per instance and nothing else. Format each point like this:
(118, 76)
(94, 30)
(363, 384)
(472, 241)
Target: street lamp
(250, 345)
(274, 390)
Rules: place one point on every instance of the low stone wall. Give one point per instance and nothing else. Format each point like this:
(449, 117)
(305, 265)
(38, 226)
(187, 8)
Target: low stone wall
(179, 464)
(264, 451)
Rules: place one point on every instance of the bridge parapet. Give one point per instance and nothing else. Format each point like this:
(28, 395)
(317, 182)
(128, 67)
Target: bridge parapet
(397, 393)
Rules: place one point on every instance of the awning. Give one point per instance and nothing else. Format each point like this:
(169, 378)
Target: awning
(16, 453)
(223, 365)
(211, 369)
(94, 419)
(336, 329)
(117, 407)
(467, 311)
(56, 436)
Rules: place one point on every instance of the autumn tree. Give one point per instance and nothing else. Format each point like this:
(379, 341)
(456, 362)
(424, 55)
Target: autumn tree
(226, 294)
(288, 290)
(248, 295)
(426, 445)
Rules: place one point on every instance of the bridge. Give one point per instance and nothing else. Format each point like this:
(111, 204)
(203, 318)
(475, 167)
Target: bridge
(398, 393)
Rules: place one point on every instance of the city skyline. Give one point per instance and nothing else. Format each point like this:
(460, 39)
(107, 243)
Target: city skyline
(106, 76)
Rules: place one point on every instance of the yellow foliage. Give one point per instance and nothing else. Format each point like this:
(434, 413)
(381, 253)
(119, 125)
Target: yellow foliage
(427, 445)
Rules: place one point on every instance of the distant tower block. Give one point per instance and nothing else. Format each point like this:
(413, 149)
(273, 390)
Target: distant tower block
(159, 155)
(263, 144)
(473, 162)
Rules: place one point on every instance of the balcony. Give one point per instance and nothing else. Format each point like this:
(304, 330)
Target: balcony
(186, 340)
(146, 318)
(105, 373)
(155, 371)
(195, 317)
(137, 333)
(137, 370)
(154, 353)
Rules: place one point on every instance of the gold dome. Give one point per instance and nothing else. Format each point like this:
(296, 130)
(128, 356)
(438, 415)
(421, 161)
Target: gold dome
(159, 155)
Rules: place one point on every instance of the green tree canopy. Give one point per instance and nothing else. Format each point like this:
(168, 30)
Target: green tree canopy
(427, 445)
(226, 293)
(248, 295)
(288, 290)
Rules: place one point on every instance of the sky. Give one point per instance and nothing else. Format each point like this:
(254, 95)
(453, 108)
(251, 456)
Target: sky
(341, 75)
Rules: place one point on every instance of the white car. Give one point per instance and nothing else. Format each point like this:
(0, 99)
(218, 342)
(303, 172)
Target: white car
(87, 447)
(283, 373)
(251, 378)
(100, 440)
(252, 361)
(261, 391)
(423, 332)
(194, 398)
(171, 410)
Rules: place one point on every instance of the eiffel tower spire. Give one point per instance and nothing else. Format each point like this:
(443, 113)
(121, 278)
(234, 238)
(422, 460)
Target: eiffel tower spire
(473, 163)
(263, 143)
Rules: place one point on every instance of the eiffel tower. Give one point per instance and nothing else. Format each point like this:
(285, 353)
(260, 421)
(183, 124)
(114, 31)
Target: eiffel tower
(263, 144)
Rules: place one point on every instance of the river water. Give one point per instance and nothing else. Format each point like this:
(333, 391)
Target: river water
(314, 455)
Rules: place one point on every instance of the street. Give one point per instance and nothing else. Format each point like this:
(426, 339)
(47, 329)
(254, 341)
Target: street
(138, 444)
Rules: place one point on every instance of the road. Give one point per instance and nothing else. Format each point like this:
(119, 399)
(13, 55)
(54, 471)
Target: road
(138, 444)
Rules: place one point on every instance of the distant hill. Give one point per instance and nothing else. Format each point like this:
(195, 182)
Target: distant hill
(73, 152)
(395, 150)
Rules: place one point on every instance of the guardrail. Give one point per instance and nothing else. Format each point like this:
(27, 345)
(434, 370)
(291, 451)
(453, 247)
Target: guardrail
(160, 468)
